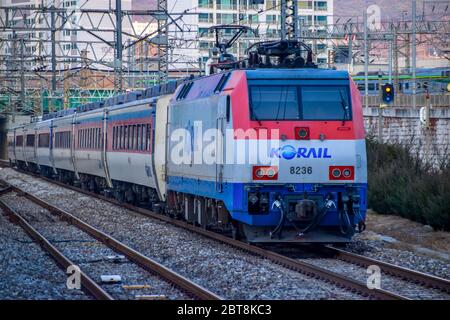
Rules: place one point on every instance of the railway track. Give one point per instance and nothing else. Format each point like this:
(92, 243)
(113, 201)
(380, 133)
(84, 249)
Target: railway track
(190, 288)
(417, 277)
(302, 267)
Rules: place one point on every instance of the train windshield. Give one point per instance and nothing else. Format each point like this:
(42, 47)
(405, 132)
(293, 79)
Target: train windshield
(299, 102)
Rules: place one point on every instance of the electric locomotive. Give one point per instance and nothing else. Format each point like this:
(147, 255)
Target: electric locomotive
(270, 148)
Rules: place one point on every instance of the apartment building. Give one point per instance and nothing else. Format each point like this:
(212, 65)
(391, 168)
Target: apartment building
(265, 18)
(69, 42)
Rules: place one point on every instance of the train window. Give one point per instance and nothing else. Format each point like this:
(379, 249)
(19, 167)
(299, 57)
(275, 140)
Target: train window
(115, 137)
(222, 82)
(325, 103)
(97, 138)
(83, 140)
(133, 137)
(19, 141)
(136, 137)
(100, 138)
(148, 138)
(62, 140)
(120, 142)
(138, 141)
(44, 140)
(125, 135)
(94, 138)
(30, 140)
(371, 86)
(144, 135)
(119, 137)
(274, 103)
(185, 90)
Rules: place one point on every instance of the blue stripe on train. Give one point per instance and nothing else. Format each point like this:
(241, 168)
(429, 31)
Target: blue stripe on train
(234, 195)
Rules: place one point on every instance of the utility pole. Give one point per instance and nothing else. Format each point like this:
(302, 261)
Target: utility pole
(290, 26)
(295, 19)
(118, 48)
(414, 52)
(130, 82)
(53, 37)
(163, 43)
(390, 55)
(283, 19)
(350, 51)
(366, 61)
(66, 87)
(22, 75)
(13, 66)
(380, 109)
(395, 52)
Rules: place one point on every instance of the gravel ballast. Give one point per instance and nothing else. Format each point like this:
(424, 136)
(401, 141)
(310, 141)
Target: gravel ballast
(27, 271)
(93, 257)
(223, 270)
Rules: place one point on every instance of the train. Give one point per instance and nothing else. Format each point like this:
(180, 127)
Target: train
(428, 80)
(268, 152)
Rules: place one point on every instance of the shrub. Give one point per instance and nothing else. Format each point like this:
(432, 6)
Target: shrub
(401, 184)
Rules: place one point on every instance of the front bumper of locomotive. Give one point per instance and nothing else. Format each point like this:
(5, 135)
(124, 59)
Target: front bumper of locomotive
(302, 212)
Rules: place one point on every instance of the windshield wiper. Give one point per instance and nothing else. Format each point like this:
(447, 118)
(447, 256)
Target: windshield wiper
(254, 117)
(344, 107)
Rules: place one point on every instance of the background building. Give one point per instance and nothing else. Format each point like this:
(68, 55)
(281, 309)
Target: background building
(264, 18)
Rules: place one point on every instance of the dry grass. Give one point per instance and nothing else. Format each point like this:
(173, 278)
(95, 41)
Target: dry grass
(400, 184)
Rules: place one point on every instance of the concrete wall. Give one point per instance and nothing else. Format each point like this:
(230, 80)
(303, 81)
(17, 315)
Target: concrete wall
(403, 125)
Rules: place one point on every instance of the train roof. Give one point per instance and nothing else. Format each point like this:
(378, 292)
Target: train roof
(297, 73)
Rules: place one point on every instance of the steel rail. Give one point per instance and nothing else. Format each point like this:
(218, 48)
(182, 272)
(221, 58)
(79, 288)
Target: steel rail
(176, 279)
(87, 283)
(421, 278)
(302, 267)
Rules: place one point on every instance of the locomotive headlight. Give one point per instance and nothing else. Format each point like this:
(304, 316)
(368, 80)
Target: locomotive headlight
(253, 198)
(302, 133)
(259, 173)
(336, 173)
(342, 173)
(264, 198)
(265, 172)
(347, 173)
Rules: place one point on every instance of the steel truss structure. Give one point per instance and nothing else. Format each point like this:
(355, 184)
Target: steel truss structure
(41, 69)
(38, 60)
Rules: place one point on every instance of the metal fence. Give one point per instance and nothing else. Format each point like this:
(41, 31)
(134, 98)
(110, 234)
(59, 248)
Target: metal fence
(402, 100)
